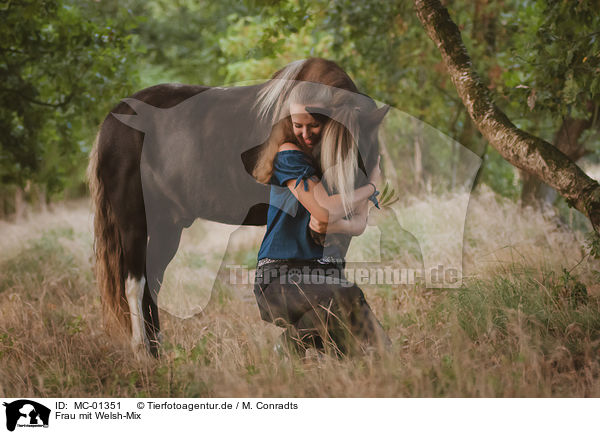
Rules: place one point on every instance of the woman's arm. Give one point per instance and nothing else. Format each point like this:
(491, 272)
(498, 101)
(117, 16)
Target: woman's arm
(324, 207)
(355, 225)
(320, 204)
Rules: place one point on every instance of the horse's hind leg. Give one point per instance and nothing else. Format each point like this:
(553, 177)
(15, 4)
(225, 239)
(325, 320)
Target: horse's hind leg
(163, 241)
(134, 290)
(134, 246)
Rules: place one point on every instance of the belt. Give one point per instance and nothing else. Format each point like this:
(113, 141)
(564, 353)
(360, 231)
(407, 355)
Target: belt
(273, 268)
(323, 261)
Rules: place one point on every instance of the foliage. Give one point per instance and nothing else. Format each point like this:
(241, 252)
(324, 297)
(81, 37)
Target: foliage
(553, 65)
(182, 40)
(500, 175)
(540, 59)
(593, 244)
(61, 68)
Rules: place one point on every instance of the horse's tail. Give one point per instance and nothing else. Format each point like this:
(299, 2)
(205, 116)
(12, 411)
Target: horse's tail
(109, 269)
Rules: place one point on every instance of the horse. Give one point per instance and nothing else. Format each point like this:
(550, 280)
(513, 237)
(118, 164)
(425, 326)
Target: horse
(172, 153)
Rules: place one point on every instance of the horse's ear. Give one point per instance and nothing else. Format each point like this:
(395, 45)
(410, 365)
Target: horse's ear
(375, 117)
(140, 120)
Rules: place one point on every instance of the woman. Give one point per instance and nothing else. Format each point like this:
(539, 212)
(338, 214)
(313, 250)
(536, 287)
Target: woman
(296, 286)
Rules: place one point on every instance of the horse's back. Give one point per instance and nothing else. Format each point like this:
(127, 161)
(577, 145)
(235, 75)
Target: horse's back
(166, 95)
(119, 149)
(179, 151)
(119, 140)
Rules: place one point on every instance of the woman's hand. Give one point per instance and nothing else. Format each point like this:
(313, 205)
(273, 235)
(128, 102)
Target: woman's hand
(359, 219)
(354, 225)
(317, 225)
(341, 226)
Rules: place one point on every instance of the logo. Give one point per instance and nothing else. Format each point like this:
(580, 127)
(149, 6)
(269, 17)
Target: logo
(26, 413)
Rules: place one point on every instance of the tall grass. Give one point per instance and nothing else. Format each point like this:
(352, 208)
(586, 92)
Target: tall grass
(525, 322)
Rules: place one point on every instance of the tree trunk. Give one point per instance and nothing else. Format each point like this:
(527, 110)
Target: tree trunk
(539, 194)
(521, 149)
(42, 199)
(3, 210)
(20, 204)
(484, 26)
(536, 193)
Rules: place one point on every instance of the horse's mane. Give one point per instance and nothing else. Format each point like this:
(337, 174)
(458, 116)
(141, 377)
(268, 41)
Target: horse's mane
(277, 90)
(272, 97)
(338, 152)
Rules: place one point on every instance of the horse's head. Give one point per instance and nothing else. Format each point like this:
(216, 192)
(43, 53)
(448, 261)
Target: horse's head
(368, 143)
(360, 119)
(356, 121)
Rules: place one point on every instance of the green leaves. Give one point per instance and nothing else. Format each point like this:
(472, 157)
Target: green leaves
(388, 196)
(558, 44)
(592, 242)
(62, 68)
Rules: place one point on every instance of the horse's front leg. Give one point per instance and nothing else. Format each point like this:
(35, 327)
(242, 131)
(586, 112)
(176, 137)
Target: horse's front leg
(151, 320)
(163, 242)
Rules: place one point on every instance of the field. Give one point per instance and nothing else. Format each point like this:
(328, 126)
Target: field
(524, 323)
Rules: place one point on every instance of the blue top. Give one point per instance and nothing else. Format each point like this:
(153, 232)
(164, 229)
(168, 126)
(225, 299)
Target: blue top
(288, 235)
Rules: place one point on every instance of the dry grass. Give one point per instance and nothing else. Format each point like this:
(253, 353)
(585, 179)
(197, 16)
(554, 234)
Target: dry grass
(516, 327)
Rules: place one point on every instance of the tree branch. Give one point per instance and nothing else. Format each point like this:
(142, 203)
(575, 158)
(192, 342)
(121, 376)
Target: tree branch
(521, 149)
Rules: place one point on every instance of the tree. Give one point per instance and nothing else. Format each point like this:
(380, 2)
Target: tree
(552, 76)
(61, 67)
(521, 149)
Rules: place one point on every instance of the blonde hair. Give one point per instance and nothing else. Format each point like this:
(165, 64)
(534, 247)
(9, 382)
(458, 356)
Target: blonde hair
(339, 154)
(303, 93)
(339, 137)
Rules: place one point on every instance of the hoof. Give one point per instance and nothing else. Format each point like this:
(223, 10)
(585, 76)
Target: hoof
(141, 349)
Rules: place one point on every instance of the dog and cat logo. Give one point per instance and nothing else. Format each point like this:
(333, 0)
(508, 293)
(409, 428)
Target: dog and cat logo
(26, 413)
